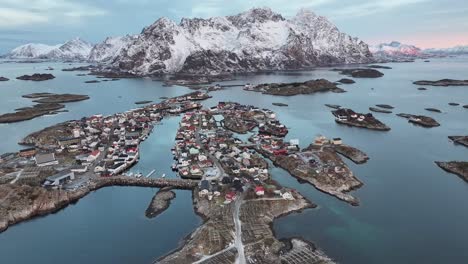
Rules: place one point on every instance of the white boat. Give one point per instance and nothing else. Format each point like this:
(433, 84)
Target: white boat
(164, 175)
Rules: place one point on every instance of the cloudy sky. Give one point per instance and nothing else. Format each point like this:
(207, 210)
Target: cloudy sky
(425, 23)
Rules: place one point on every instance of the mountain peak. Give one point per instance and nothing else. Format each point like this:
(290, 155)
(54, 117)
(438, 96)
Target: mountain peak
(256, 15)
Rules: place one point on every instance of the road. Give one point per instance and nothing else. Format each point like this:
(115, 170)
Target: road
(238, 231)
(220, 173)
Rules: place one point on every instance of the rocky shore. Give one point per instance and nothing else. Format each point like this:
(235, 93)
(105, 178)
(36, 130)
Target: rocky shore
(443, 82)
(360, 73)
(298, 250)
(36, 77)
(462, 140)
(327, 180)
(420, 120)
(47, 104)
(290, 89)
(143, 102)
(160, 202)
(459, 168)
(355, 155)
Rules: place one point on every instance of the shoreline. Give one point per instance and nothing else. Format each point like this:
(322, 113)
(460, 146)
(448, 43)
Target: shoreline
(65, 198)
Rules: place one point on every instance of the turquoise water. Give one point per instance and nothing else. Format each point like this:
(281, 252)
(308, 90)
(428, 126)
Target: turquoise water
(410, 212)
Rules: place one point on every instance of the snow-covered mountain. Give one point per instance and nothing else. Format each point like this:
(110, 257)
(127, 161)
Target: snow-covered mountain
(458, 50)
(109, 48)
(256, 40)
(75, 49)
(31, 50)
(396, 49)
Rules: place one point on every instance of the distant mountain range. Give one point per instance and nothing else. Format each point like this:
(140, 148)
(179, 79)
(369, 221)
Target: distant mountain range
(398, 51)
(458, 50)
(256, 40)
(74, 50)
(394, 50)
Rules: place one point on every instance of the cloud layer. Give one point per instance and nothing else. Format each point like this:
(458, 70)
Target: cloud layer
(17, 13)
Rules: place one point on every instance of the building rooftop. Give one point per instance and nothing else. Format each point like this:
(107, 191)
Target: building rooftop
(44, 158)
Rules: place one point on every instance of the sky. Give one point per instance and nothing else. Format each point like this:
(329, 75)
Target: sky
(424, 23)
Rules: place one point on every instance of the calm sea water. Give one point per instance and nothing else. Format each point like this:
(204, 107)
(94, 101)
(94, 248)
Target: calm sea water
(410, 212)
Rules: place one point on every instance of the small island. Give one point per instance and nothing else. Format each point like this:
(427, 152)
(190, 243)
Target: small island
(360, 73)
(36, 77)
(379, 67)
(462, 140)
(290, 89)
(443, 82)
(3, 79)
(386, 106)
(454, 104)
(92, 81)
(420, 120)
(55, 98)
(143, 102)
(351, 118)
(333, 106)
(280, 104)
(346, 81)
(379, 110)
(422, 89)
(47, 104)
(160, 202)
(430, 109)
(459, 168)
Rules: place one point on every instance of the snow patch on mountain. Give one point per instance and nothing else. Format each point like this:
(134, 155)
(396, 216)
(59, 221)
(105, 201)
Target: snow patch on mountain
(109, 48)
(31, 50)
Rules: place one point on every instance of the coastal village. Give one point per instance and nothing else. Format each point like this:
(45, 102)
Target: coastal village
(223, 154)
(225, 173)
(69, 154)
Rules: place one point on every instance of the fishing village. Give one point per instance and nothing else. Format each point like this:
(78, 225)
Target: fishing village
(230, 178)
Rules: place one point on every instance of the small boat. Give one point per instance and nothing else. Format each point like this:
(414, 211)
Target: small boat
(164, 175)
(174, 167)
